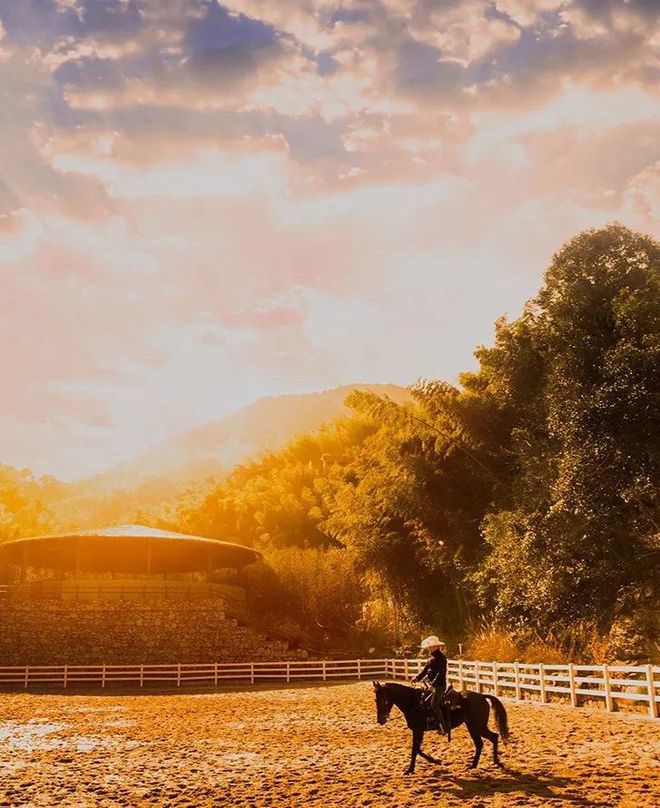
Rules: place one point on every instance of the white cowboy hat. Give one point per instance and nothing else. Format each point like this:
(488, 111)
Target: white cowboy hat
(430, 642)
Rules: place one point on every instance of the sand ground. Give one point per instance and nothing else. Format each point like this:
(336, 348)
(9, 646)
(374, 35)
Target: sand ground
(307, 746)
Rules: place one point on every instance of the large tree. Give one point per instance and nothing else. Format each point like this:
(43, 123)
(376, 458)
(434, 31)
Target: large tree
(579, 374)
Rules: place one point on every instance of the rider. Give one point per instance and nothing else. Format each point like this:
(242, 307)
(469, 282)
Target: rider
(436, 672)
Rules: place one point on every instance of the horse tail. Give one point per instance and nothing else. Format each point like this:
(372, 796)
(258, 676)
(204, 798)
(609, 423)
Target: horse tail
(501, 720)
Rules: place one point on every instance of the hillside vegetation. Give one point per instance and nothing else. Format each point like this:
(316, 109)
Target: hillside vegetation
(517, 510)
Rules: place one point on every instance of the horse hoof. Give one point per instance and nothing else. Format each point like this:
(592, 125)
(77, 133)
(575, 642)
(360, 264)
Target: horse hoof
(408, 771)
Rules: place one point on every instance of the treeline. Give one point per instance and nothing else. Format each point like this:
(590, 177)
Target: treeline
(526, 497)
(518, 509)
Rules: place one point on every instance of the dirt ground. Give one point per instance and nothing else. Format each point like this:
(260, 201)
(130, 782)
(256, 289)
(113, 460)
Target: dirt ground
(307, 746)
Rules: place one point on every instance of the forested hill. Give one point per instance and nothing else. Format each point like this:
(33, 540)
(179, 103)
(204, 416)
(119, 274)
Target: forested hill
(525, 499)
(265, 425)
(29, 505)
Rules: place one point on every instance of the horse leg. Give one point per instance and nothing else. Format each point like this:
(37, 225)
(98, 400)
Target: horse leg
(493, 737)
(478, 746)
(430, 758)
(417, 736)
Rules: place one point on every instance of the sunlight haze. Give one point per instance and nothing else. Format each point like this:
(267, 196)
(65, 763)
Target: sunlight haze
(205, 204)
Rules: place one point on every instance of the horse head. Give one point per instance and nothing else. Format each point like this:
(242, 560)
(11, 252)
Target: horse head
(383, 703)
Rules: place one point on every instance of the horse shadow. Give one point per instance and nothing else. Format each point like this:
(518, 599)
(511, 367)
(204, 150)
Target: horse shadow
(507, 781)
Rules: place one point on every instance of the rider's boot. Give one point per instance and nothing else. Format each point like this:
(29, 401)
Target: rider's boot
(444, 727)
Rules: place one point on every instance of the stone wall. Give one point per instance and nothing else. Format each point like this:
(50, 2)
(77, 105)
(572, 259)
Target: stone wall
(57, 632)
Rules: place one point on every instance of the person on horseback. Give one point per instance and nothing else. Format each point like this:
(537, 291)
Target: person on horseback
(435, 671)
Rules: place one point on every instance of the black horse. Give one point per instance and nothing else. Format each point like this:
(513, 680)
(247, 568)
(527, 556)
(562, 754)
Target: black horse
(466, 707)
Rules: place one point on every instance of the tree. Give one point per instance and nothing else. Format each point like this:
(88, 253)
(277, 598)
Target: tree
(23, 511)
(579, 374)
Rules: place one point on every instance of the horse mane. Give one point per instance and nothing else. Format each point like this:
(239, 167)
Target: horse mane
(404, 696)
(398, 686)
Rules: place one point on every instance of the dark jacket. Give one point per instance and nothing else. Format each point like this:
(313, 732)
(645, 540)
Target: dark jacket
(436, 670)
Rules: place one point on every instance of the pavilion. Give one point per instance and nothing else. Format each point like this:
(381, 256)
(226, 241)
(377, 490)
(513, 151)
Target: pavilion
(123, 560)
(129, 594)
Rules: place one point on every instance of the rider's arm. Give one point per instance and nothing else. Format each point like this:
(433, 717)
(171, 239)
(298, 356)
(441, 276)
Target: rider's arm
(422, 673)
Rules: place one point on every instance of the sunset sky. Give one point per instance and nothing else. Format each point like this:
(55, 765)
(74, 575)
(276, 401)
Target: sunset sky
(202, 204)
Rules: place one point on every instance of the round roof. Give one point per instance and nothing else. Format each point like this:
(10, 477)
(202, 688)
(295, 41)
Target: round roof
(126, 548)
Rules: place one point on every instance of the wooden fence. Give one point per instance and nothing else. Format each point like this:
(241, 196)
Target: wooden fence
(611, 684)
(539, 682)
(213, 673)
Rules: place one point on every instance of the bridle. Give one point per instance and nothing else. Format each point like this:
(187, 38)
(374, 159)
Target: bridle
(383, 709)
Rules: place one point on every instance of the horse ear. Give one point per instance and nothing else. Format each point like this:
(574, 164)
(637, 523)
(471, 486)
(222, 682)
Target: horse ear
(377, 685)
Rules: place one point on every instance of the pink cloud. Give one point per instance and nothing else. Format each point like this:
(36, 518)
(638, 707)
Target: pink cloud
(359, 203)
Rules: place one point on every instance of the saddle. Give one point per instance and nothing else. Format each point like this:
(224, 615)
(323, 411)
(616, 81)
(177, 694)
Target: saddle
(451, 701)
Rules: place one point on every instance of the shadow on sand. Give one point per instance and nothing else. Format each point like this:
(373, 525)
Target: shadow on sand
(506, 781)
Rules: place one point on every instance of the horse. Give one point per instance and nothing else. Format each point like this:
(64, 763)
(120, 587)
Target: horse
(467, 707)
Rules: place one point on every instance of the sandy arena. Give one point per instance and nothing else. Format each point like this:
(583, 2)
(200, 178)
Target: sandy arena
(307, 746)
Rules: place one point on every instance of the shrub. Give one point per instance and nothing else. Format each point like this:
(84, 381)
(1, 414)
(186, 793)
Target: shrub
(307, 596)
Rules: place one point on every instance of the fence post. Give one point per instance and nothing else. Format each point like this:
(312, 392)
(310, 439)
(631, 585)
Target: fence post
(405, 668)
(251, 673)
(609, 703)
(103, 676)
(477, 680)
(650, 682)
(516, 671)
(324, 673)
(288, 672)
(66, 672)
(460, 673)
(571, 682)
(178, 675)
(359, 667)
(215, 674)
(141, 675)
(495, 689)
(542, 682)
(27, 676)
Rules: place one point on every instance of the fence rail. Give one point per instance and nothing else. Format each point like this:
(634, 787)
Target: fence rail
(539, 682)
(576, 683)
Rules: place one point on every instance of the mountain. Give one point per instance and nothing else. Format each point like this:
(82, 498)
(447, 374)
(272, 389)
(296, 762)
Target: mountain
(124, 493)
(268, 423)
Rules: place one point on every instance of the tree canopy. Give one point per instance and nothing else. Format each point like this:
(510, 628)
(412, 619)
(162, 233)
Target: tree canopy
(526, 494)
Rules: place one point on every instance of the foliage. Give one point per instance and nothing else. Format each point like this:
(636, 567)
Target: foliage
(276, 500)
(580, 377)
(527, 494)
(23, 509)
(311, 596)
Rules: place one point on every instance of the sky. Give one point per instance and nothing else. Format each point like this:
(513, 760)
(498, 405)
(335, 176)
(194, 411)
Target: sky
(203, 204)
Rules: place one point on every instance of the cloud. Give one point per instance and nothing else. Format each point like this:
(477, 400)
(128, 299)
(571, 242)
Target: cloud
(201, 203)
(641, 198)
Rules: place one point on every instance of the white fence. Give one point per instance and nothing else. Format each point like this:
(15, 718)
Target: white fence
(540, 682)
(574, 683)
(212, 673)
